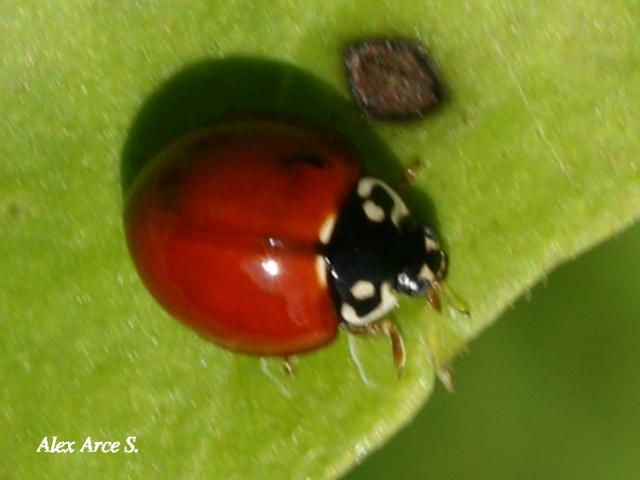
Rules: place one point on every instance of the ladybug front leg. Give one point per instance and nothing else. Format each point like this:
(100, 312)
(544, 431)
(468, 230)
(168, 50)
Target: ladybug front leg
(287, 364)
(383, 327)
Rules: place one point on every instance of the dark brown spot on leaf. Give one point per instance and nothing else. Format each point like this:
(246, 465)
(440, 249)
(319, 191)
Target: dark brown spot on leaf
(391, 79)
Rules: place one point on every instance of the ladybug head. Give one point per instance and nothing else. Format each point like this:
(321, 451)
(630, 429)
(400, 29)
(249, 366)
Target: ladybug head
(425, 263)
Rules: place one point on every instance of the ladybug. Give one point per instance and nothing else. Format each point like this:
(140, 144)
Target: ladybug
(265, 236)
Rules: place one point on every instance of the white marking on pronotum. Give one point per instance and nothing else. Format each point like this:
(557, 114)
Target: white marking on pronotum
(373, 212)
(399, 210)
(326, 230)
(426, 273)
(431, 245)
(365, 185)
(349, 314)
(353, 351)
(321, 271)
(363, 289)
(387, 303)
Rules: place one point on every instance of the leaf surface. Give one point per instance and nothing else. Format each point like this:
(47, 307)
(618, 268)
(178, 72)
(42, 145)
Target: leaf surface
(532, 158)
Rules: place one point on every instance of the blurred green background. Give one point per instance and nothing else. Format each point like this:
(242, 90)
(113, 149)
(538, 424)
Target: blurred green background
(551, 391)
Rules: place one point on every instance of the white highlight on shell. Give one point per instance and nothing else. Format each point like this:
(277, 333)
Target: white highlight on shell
(399, 210)
(387, 303)
(326, 230)
(363, 289)
(373, 212)
(271, 267)
(321, 271)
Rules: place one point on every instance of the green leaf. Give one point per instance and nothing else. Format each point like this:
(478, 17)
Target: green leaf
(563, 375)
(531, 160)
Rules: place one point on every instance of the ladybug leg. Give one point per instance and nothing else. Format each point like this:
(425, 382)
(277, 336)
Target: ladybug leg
(409, 175)
(442, 371)
(433, 299)
(287, 364)
(451, 298)
(383, 327)
(444, 375)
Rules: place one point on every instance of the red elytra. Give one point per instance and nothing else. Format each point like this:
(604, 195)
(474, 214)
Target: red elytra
(223, 229)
